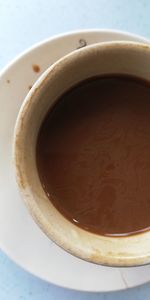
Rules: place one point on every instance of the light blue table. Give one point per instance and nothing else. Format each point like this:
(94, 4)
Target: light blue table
(23, 23)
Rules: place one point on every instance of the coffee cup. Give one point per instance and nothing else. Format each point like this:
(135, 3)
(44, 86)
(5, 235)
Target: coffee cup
(100, 59)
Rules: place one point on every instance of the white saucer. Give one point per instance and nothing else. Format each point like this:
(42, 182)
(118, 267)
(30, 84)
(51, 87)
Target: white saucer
(20, 237)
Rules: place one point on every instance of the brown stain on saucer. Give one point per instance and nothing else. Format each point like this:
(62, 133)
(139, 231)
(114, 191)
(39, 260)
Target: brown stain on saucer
(8, 80)
(30, 87)
(36, 68)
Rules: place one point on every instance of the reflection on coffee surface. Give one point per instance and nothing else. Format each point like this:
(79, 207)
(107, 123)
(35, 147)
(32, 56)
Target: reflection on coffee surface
(93, 155)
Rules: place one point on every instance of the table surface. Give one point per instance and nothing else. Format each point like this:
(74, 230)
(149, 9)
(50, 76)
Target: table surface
(23, 23)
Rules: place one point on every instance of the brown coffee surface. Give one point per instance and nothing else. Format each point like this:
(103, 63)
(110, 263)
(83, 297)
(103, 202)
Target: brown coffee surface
(93, 155)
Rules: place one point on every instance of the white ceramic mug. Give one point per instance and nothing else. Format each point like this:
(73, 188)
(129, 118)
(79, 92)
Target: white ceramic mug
(104, 58)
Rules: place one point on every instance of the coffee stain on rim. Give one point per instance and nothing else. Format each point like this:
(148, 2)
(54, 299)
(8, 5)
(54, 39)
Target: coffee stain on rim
(82, 43)
(36, 68)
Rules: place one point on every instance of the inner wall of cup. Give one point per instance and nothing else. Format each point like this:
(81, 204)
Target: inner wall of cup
(93, 61)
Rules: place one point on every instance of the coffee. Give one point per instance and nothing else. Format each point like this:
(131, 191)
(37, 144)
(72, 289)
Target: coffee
(93, 155)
